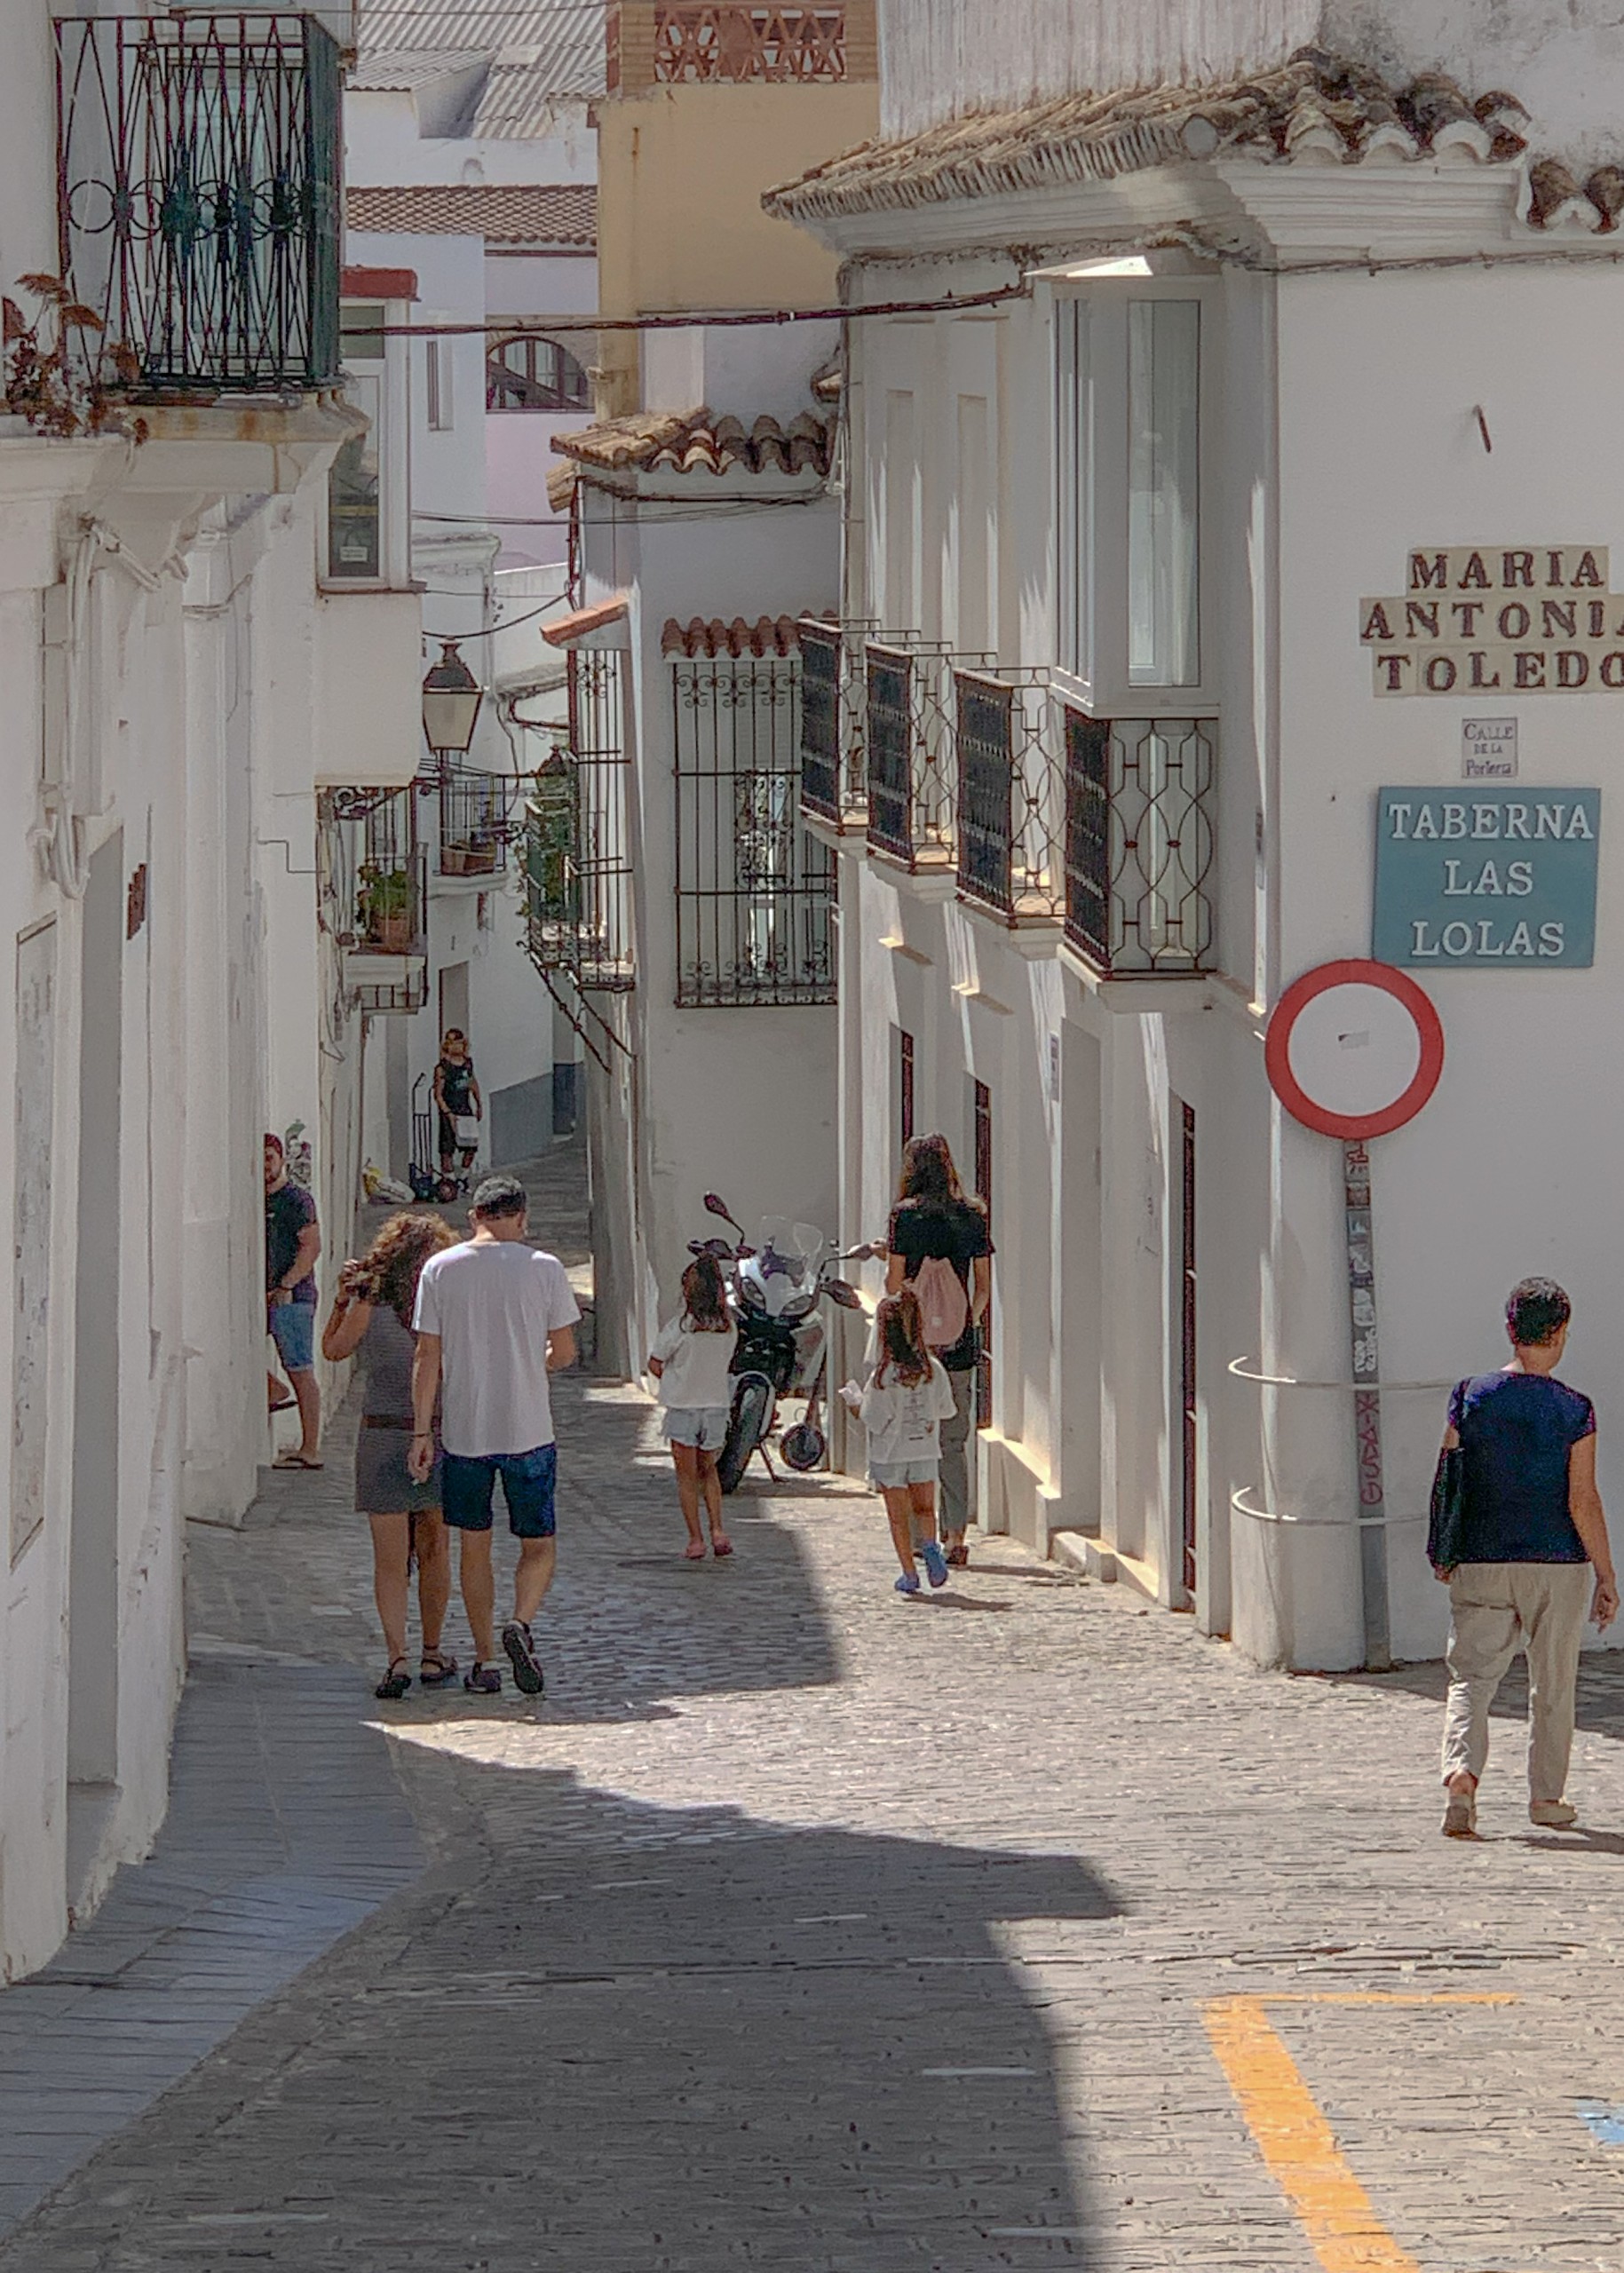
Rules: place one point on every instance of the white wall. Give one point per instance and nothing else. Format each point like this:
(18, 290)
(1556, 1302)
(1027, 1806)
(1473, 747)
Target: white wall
(385, 147)
(944, 57)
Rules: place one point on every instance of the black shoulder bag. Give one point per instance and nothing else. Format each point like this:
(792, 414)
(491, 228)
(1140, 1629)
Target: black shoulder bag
(1446, 1528)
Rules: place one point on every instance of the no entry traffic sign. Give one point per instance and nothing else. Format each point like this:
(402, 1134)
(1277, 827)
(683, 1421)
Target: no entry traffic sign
(1354, 1049)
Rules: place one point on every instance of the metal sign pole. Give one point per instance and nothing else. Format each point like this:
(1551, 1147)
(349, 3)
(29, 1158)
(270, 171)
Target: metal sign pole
(1366, 1405)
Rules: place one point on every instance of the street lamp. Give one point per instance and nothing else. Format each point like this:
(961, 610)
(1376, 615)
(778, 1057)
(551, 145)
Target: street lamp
(451, 699)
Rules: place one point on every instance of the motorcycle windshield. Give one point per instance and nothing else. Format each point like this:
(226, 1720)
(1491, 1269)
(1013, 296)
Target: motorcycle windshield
(778, 1253)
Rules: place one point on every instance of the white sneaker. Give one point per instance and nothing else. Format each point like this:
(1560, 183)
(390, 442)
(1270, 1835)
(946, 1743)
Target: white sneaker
(1553, 1815)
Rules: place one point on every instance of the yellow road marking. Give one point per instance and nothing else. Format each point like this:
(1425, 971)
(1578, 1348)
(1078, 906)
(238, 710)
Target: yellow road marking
(1296, 2143)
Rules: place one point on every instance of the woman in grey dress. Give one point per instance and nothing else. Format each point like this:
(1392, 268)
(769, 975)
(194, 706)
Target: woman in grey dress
(371, 1323)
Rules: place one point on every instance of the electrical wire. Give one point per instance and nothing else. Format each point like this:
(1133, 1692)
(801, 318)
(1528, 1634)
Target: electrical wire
(690, 320)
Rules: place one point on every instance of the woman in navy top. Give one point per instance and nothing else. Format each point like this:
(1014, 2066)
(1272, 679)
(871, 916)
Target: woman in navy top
(1532, 1532)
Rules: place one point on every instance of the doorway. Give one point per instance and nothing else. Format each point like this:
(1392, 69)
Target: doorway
(981, 1102)
(93, 1558)
(454, 1001)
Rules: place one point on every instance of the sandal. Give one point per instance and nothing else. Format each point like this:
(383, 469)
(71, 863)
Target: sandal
(395, 1683)
(958, 1557)
(694, 1551)
(283, 1405)
(721, 1545)
(484, 1679)
(435, 1669)
(296, 1460)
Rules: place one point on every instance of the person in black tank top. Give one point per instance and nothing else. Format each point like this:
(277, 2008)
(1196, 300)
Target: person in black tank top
(933, 1218)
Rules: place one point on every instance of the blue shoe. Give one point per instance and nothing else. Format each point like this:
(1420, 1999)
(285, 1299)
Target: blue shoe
(908, 1583)
(935, 1562)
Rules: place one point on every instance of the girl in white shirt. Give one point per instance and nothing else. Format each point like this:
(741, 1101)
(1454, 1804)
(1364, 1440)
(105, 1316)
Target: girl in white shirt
(689, 1361)
(907, 1398)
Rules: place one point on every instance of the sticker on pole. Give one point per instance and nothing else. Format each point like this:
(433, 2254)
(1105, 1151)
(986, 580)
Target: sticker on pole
(1354, 1049)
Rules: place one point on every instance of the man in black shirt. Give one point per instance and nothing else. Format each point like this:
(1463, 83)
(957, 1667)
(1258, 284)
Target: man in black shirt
(292, 1242)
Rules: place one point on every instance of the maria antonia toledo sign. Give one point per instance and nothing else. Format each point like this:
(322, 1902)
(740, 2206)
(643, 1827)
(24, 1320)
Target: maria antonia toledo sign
(1537, 619)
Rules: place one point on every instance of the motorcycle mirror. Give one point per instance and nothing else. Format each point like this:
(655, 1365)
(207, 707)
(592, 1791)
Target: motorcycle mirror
(717, 1205)
(847, 1296)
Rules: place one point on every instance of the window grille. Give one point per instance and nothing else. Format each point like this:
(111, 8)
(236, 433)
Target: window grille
(834, 774)
(908, 744)
(1010, 781)
(374, 894)
(532, 374)
(474, 822)
(1139, 841)
(755, 892)
(198, 173)
(577, 860)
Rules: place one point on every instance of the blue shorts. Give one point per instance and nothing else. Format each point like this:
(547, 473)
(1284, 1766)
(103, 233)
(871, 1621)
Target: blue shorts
(293, 1329)
(896, 1475)
(467, 1483)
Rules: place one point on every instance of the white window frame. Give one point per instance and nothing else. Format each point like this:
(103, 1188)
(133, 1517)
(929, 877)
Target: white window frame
(1089, 455)
(439, 382)
(386, 382)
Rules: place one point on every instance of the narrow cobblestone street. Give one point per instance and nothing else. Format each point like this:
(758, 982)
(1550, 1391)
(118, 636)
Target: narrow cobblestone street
(802, 1928)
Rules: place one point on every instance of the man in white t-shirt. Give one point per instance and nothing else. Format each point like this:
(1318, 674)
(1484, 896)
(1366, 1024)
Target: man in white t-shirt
(494, 1317)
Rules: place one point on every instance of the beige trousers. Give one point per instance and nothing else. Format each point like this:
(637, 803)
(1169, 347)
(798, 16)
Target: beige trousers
(1495, 1609)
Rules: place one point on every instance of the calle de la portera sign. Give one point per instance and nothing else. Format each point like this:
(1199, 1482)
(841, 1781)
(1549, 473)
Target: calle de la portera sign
(1537, 619)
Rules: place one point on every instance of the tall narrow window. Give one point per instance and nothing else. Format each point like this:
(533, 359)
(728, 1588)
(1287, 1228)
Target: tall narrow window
(974, 514)
(440, 411)
(1189, 1447)
(1164, 344)
(901, 478)
(1074, 484)
(905, 1087)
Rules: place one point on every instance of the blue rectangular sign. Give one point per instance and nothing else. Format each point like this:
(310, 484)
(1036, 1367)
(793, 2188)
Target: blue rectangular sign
(1486, 879)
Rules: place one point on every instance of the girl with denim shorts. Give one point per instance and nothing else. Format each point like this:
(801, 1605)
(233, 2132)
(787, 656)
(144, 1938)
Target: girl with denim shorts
(689, 1361)
(907, 1398)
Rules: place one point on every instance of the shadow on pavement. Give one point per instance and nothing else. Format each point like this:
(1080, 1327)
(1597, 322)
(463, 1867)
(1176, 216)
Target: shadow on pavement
(1600, 1700)
(637, 2037)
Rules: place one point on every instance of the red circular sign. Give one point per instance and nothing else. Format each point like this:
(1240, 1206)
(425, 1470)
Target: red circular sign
(1354, 1049)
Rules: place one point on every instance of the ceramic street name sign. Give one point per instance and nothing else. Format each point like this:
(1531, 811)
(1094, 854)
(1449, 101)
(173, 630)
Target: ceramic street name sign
(1529, 619)
(1486, 879)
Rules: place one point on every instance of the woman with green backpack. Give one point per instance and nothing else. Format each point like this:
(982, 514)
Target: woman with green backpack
(940, 1245)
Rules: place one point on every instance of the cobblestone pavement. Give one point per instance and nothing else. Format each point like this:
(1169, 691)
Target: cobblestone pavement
(805, 1928)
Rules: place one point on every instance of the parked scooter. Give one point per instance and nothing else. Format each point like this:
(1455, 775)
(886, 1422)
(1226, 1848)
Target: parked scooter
(778, 1286)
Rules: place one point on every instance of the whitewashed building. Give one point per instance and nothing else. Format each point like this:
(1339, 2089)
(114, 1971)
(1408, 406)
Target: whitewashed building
(471, 191)
(180, 684)
(1271, 310)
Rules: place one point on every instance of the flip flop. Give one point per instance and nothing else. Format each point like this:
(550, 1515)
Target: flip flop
(284, 1404)
(721, 1546)
(296, 1460)
(694, 1551)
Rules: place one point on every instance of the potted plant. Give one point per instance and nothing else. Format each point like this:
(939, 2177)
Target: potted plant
(384, 908)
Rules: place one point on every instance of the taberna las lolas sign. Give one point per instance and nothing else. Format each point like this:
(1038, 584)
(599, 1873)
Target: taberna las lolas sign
(1486, 878)
(1536, 619)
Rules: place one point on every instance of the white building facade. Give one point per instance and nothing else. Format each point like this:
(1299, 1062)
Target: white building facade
(1110, 717)
(471, 174)
(179, 684)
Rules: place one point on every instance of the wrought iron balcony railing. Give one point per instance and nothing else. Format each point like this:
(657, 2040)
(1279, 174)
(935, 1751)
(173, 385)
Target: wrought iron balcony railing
(199, 162)
(908, 744)
(475, 822)
(576, 838)
(373, 876)
(834, 714)
(1011, 793)
(1139, 797)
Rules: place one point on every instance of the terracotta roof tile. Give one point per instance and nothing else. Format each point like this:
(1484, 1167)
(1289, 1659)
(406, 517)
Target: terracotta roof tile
(564, 631)
(551, 213)
(1319, 105)
(710, 636)
(697, 442)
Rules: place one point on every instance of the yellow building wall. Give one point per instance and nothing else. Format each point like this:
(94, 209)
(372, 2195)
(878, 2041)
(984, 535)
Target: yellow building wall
(681, 172)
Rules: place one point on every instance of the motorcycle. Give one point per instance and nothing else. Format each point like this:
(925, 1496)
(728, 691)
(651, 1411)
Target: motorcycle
(778, 1286)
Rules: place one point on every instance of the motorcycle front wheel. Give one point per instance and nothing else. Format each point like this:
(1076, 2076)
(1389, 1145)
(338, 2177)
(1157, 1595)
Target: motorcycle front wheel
(747, 1424)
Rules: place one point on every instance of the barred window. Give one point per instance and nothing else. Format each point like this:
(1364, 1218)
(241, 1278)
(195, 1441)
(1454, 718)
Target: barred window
(530, 373)
(754, 892)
